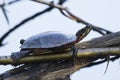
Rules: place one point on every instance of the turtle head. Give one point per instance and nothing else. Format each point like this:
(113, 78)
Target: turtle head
(22, 41)
(83, 33)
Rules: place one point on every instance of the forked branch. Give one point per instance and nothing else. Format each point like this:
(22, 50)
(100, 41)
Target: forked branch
(66, 12)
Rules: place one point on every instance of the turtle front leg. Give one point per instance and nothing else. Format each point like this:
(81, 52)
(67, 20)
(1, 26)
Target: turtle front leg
(74, 55)
(17, 55)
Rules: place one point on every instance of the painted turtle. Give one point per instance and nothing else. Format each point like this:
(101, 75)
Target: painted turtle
(49, 42)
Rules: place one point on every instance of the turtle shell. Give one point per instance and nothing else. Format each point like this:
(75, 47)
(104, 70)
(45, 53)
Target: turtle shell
(48, 40)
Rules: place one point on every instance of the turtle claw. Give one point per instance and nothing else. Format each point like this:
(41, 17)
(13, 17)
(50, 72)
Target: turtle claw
(17, 55)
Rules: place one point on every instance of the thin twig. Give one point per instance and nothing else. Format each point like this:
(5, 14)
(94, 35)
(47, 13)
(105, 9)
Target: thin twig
(4, 12)
(102, 61)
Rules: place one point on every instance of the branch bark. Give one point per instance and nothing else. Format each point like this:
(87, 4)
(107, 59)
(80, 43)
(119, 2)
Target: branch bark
(110, 40)
(91, 53)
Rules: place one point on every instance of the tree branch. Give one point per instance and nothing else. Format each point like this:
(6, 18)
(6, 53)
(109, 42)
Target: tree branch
(92, 53)
(66, 12)
(51, 6)
(84, 57)
(102, 61)
(60, 66)
(110, 40)
(52, 66)
(26, 20)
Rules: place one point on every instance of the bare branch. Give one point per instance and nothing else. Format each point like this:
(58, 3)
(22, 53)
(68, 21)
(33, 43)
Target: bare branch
(100, 62)
(20, 24)
(88, 55)
(111, 40)
(85, 56)
(71, 16)
(92, 53)
(25, 21)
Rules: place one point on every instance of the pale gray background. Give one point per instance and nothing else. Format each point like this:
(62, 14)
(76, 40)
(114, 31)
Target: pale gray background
(103, 13)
